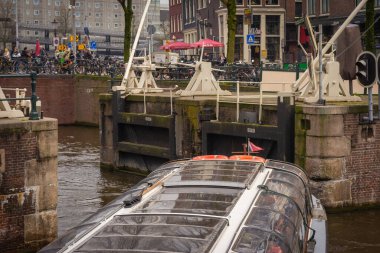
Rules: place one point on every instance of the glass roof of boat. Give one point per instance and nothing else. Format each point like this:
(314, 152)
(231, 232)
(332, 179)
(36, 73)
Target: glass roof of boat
(191, 210)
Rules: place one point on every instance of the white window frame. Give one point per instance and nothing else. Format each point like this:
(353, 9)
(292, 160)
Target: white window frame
(36, 12)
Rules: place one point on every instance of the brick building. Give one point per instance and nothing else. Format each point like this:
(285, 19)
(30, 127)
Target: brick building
(332, 13)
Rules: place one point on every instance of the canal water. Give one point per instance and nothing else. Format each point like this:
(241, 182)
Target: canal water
(83, 188)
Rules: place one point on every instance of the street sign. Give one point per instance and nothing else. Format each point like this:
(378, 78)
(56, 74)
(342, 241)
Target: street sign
(71, 38)
(56, 41)
(93, 45)
(81, 47)
(250, 39)
(69, 45)
(62, 47)
(77, 38)
(300, 21)
(264, 53)
(366, 69)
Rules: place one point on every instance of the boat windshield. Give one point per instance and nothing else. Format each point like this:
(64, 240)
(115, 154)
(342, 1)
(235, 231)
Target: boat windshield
(276, 221)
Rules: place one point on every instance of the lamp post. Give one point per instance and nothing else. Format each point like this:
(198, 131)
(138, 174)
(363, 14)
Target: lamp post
(17, 39)
(55, 23)
(72, 8)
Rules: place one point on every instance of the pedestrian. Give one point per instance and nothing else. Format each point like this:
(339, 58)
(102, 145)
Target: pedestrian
(16, 57)
(7, 54)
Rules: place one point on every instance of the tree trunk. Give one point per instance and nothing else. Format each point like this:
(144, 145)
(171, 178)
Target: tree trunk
(231, 24)
(128, 15)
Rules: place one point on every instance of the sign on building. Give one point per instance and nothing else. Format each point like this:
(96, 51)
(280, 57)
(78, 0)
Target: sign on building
(250, 39)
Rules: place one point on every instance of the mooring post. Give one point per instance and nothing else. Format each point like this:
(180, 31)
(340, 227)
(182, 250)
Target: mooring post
(33, 115)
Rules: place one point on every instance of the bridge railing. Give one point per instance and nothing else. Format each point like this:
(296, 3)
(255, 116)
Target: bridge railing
(269, 93)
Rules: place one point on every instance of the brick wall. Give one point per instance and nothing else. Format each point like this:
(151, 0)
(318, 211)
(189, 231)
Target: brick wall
(363, 164)
(67, 99)
(340, 154)
(28, 183)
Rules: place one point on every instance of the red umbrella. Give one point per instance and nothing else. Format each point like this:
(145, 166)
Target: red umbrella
(38, 48)
(178, 45)
(207, 43)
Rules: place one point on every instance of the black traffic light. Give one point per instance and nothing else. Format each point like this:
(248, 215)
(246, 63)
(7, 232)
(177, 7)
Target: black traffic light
(378, 69)
(366, 69)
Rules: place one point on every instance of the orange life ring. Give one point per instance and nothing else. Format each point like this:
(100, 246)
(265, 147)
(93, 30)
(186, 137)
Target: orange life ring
(247, 158)
(210, 157)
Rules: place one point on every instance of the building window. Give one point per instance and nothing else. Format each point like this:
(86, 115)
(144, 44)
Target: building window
(273, 24)
(377, 3)
(271, 2)
(273, 37)
(239, 24)
(97, 5)
(116, 25)
(98, 14)
(49, 13)
(77, 14)
(36, 12)
(97, 24)
(325, 6)
(36, 2)
(311, 7)
(36, 33)
(298, 9)
(36, 22)
(49, 2)
(77, 4)
(239, 2)
(26, 1)
(256, 2)
(57, 13)
(115, 6)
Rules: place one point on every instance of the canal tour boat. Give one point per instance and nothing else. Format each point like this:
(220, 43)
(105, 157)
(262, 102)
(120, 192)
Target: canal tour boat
(210, 203)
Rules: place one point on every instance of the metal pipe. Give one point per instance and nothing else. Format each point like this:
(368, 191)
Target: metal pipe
(129, 64)
(370, 104)
(320, 100)
(333, 39)
(237, 100)
(217, 102)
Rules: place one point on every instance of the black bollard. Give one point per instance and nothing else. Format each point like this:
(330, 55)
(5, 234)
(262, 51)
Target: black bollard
(33, 115)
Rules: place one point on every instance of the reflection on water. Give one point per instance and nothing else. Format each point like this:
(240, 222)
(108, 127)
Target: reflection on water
(354, 232)
(83, 188)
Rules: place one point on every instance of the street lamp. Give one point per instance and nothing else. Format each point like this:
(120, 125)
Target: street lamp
(55, 23)
(72, 8)
(17, 39)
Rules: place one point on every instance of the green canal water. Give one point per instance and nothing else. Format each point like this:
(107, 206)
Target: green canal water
(83, 188)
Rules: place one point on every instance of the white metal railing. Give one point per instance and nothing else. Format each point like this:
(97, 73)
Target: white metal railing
(261, 95)
(144, 90)
(19, 93)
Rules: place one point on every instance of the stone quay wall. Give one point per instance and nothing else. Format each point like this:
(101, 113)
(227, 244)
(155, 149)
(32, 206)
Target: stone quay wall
(340, 153)
(28, 183)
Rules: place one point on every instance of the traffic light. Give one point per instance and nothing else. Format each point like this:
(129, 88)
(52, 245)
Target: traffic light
(378, 69)
(366, 69)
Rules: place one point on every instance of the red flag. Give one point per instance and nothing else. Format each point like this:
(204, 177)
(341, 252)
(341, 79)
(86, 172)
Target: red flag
(38, 48)
(253, 148)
